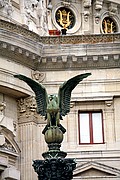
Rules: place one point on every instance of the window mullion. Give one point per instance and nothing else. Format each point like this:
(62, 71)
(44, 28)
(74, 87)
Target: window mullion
(91, 128)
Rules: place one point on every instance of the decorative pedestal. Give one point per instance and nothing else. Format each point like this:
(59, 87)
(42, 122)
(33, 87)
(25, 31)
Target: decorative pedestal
(54, 168)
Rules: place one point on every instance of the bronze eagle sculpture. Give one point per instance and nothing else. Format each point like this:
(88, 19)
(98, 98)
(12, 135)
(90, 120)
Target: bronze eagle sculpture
(53, 107)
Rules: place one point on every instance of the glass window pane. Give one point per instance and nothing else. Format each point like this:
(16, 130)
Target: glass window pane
(97, 128)
(84, 128)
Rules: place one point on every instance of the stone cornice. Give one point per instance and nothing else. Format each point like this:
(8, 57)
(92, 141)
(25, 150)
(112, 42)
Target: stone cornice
(59, 52)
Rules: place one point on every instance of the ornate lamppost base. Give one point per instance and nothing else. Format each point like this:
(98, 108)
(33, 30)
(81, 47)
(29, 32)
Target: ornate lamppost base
(54, 168)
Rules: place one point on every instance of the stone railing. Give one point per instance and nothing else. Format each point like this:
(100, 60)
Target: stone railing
(74, 39)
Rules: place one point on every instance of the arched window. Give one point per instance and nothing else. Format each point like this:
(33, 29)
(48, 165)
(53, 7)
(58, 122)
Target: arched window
(109, 25)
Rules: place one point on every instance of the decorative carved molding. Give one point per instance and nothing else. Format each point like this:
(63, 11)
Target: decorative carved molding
(113, 7)
(108, 103)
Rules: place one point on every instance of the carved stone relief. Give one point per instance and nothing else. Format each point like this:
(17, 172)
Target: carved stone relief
(27, 111)
(30, 9)
(36, 13)
(27, 107)
(41, 14)
(6, 7)
(38, 76)
(7, 146)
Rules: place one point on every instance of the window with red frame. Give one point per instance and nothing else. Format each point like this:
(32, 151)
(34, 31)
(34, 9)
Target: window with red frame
(91, 128)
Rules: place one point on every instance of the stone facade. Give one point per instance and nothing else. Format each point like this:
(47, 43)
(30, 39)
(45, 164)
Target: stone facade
(92, 44)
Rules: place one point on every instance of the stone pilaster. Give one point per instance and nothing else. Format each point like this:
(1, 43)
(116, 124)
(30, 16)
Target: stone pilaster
(87, 5)
(97, 8)
(109, 122)
(30, 136)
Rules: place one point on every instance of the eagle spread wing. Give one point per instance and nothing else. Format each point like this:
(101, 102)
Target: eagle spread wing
(65, 90)
(40, 92)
